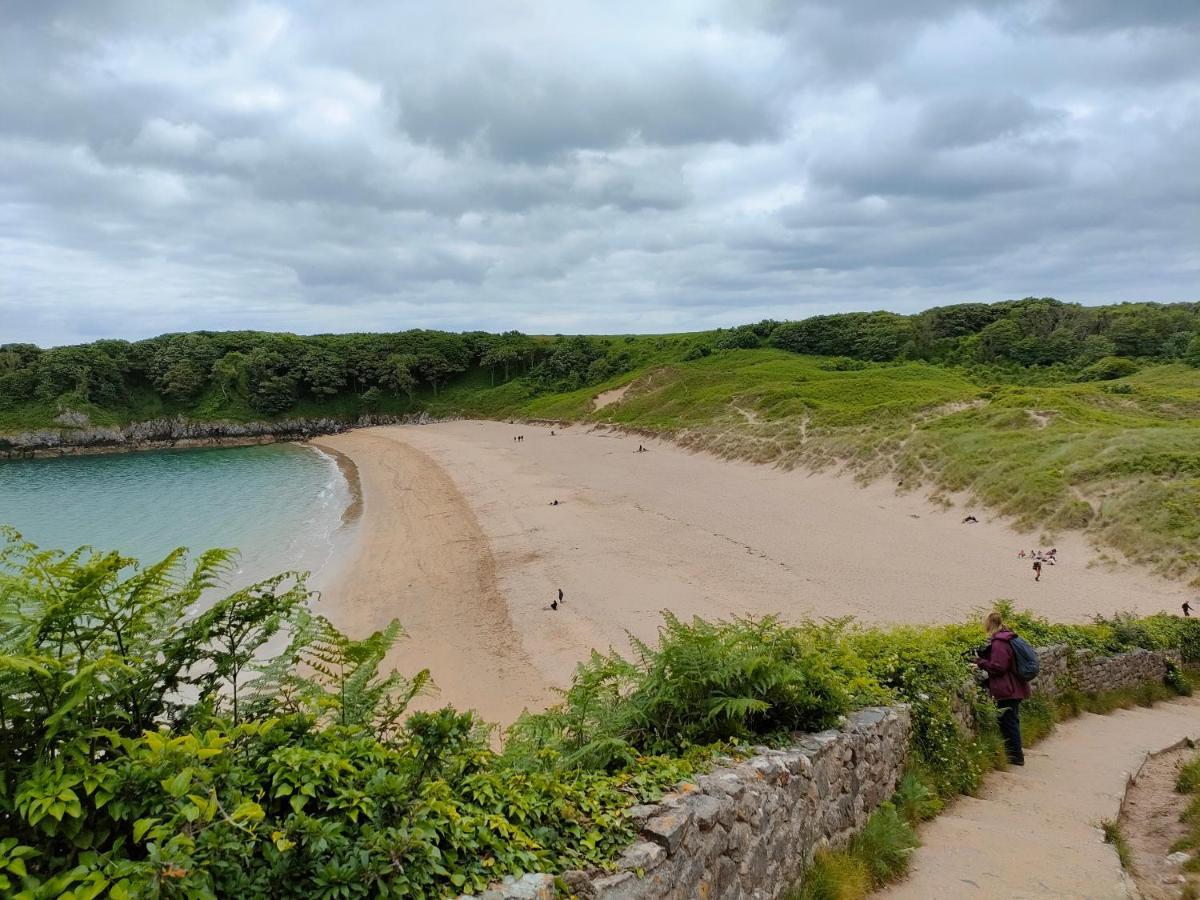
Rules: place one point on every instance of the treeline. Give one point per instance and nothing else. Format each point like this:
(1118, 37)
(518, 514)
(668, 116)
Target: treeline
(1029, 332)
(210, 373)
(271, 373)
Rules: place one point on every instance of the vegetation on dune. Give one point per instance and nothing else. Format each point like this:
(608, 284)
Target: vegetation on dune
(157, 742)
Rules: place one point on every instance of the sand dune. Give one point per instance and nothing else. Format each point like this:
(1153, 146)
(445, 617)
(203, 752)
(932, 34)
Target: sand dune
(459, 540)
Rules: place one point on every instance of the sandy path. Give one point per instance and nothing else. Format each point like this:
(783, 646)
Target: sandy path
(1033, 832)
(640, 532)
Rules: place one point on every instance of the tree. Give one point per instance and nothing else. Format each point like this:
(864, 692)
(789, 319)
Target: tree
(398, 373)
(322, 372)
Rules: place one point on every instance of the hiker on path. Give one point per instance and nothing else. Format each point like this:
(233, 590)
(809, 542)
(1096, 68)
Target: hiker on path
(1037, 570)
(1004, 684)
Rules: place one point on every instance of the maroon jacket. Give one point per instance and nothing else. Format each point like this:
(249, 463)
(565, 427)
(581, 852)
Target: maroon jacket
(1001, 666)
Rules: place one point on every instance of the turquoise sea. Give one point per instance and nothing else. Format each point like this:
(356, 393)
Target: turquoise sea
(280, 505)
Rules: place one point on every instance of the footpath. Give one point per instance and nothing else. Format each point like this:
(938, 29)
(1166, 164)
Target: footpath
(1033, 832)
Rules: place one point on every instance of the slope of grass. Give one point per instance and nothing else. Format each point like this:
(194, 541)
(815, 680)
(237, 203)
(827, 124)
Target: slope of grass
(1120, 460)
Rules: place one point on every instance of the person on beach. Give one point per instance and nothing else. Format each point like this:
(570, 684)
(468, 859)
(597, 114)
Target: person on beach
(970, 520)
(554, 604)
(560, 595)
(1037, 570)
(1021, 555)
(1004, 685)
(554, 503)
(1187, 610)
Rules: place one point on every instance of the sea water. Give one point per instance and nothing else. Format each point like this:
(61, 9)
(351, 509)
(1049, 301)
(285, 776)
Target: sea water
(279, 505)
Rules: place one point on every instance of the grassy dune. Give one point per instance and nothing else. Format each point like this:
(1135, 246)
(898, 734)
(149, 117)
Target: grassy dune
(1119, 459)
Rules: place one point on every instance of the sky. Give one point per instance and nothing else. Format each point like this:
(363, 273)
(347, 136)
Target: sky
(599, 167)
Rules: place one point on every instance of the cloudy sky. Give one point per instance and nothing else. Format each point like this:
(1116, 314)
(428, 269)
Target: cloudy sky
(560, 166)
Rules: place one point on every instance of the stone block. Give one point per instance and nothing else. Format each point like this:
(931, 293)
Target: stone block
(644, 856)
(668, 829)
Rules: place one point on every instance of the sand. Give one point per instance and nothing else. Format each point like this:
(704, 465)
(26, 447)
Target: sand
(459, 541)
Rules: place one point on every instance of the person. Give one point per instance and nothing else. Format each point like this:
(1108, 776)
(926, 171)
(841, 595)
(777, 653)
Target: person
(554, 503)
(1037, 570)
(1187, 610)
(1004, 685)
(970, 520)
(1021, 555)
(554, 604)
(560, 595)
(551, 432)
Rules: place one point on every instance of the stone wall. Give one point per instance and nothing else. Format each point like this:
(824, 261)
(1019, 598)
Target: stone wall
(1064, 668)
(748, 830)
(78, 436)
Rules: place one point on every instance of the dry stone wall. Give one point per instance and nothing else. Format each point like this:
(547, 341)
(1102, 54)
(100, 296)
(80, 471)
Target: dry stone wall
(749, 829)
(1065, 668)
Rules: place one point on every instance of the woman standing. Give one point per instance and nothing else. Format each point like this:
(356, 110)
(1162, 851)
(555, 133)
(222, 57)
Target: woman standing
(1007, 688)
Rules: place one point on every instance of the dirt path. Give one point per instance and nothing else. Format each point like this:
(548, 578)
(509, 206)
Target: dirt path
(1033, 832)
(1150, 823)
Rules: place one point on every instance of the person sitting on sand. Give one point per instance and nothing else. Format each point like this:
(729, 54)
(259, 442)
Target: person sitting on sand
(1037, 570)
(554, 502)
(1004, 684)
(554, 604)
(970, 520)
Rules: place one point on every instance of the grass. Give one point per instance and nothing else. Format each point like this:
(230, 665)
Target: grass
(877, 855)
(1124, 467)
(1113, 835)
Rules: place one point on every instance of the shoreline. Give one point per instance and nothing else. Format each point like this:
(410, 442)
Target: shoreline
(349, 470)
(636, 534)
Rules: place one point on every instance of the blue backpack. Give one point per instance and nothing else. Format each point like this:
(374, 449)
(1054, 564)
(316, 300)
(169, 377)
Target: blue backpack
(1025, 659)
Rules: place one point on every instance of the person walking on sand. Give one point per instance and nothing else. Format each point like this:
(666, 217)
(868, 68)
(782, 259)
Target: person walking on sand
(560, 595)
(1187, 610)
(1037, 570)
(1004, 684)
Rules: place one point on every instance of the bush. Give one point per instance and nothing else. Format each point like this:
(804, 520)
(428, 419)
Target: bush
(1108, 368)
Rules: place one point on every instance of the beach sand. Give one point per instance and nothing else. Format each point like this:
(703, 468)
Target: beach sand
(459, 540)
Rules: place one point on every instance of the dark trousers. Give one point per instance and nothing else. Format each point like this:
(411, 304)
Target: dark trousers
(1010, 726)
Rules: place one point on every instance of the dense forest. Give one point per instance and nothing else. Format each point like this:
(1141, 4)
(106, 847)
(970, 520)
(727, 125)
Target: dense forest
(248, 374)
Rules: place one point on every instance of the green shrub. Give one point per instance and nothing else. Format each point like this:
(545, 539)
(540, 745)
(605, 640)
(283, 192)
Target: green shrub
(834, 875)
(885, 845)
(1188, 780)
(1108, 368)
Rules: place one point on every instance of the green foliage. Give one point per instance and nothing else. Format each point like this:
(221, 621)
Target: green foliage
(1188, 780)
(151, 745)
(1113, 835)
(878, 854)
(702, 683)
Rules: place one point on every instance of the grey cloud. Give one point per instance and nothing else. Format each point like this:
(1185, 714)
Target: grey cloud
(532, 116)
(559, 167)
(965, 121)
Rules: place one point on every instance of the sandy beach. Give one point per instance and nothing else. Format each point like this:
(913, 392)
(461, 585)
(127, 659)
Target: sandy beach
(459, 540)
